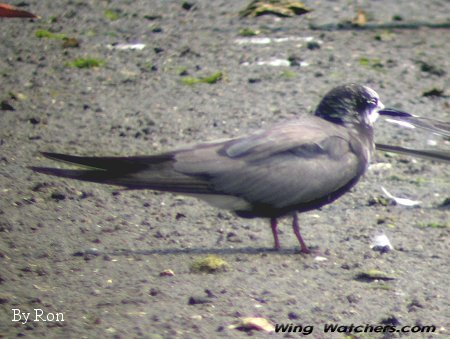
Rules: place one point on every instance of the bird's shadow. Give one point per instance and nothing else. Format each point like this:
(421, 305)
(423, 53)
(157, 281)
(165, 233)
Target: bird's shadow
(197, 250)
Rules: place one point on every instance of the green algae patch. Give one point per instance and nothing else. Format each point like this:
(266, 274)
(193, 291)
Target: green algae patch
(86, 63)
(373, 63)
(111, 14)
(248, 32)
(281, 8)
(434, 224)
(46, 34)
(209, 264)
(212, 79)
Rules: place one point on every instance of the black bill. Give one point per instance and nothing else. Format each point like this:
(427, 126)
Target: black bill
(408, 120)
(403, 118)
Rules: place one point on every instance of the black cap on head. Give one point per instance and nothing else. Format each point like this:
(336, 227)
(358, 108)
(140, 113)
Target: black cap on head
(350, 103)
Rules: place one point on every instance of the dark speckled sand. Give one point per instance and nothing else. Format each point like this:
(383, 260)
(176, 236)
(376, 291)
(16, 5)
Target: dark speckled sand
(95, 253)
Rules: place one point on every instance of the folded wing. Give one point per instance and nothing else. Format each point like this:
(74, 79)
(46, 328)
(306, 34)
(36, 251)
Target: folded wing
(292, 163)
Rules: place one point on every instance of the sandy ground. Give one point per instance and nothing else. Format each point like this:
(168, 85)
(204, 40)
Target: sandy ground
(95, 253)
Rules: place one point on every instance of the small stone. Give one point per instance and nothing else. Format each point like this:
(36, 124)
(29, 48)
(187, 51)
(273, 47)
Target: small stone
(312, 45)
(253, 80)
(293, 316)
(414, 305)
(58, 196)
(167, 273)
(5, 298)
(179, 216)
(70, 43)
(92, 251)
(381, 243)
(434, 92)
(429, 68)
(6, 106)
(295, 61)
(233, 237)
(353, 298)
(196, 300)
(187, 6)
(210, 294)
(445, 203)
(251, 323)
(392, 320)
(372, 275)
(153, 292)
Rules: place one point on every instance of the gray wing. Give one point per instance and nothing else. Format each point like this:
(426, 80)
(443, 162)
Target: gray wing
(290, 164)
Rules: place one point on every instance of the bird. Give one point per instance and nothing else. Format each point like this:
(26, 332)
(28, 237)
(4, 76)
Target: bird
(291, 167)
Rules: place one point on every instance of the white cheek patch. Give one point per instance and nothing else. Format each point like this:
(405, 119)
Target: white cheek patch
(373, 116)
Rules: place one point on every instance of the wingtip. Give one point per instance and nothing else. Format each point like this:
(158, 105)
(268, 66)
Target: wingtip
(46, 154)
(44, 170)
(84, 175)
(70, 159)
(53, 155)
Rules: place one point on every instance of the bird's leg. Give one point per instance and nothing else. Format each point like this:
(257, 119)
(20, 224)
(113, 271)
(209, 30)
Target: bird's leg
(273, 225)
(303, 247)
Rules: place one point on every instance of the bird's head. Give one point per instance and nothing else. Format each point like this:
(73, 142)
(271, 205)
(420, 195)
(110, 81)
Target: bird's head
(350, 104)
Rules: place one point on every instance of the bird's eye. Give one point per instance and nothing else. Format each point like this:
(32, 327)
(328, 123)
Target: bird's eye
(373, 102)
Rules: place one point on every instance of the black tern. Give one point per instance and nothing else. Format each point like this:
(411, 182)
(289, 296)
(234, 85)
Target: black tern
(291, 167)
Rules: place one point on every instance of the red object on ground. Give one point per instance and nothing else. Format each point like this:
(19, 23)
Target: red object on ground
(8, 11)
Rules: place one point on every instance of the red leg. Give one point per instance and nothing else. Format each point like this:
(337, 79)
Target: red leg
(273, 225)
(303, 247)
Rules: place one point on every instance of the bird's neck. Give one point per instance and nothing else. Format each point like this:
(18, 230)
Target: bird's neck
(364, 134)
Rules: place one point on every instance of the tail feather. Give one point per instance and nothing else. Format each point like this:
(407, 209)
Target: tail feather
(110, 163)
(136, 172)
